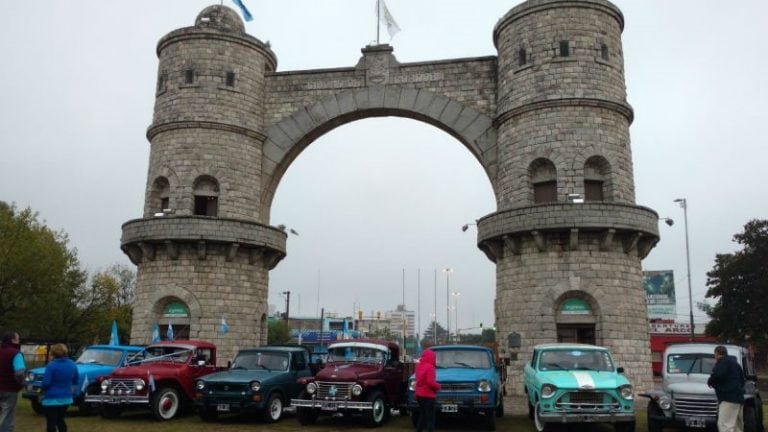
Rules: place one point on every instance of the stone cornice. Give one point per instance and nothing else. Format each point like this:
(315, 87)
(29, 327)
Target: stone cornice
(622, 108)
(192, 33)
(155, 129)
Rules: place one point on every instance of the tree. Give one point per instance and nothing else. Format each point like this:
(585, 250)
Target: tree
(39, 276)
(739, 285)
(429, 334)
(279, 332)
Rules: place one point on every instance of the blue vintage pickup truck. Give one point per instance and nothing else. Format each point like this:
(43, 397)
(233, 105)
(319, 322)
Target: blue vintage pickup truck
(470, 384)
(95, 361)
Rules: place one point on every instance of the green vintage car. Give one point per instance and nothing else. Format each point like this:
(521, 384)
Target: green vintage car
(577, 383)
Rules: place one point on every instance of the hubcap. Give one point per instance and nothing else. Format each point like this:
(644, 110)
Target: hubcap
(276, 409)
(378, 410)
(168, 406)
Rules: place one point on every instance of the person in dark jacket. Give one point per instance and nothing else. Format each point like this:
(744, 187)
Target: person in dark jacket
(11, 379)
(59, 381)
(426, 390)
(727, 379)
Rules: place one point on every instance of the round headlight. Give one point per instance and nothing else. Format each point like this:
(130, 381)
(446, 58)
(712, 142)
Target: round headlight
(547, 391)
(200, 384)
(412, 384)
(311, 388)
(357, 390)
(140, 384)
(484, 386)
(665, 402)
(626, 392)
(30, 376)
(105, 385)
(255, 386)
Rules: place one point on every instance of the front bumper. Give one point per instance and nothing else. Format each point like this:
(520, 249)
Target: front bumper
(586, 417)
(118, 399)
(678, 420)
(229, 404)
(331, 405)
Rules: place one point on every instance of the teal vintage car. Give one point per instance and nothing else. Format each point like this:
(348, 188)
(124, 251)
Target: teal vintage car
(577, 383)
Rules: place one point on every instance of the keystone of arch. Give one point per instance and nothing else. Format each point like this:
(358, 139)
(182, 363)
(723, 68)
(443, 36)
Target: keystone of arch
(288, 137)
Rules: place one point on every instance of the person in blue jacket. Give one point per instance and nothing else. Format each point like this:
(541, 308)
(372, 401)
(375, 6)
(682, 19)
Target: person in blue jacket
(59, 382)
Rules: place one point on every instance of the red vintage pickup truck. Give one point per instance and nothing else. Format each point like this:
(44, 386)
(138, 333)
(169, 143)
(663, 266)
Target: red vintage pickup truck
(161, 378)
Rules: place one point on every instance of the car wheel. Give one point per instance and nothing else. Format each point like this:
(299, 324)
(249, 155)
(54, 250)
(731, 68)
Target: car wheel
(750, 419)
(37, 407)
(624, 426)
(274, 408)
(166, 403)
(378, 413)
(110, 411)
(207, 413)
(655, 411)
(490, 420)
(306, 416)
(540, 425)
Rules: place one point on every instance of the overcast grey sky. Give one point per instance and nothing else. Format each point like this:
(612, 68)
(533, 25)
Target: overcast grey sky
(374, 197)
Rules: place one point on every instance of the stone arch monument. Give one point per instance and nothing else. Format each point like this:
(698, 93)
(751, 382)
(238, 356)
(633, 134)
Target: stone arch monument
(547, 119)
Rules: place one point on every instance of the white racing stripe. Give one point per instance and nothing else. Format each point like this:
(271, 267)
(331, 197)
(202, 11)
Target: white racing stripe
(584, 380)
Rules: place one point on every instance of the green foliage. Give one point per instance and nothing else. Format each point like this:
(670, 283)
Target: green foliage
(45, 295)
(429, 334)
(739, 284)
(279, 332)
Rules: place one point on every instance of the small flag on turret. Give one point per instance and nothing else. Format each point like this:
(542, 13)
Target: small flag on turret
(386, 18)
(155, 334)
(224, 326)
(246, 13)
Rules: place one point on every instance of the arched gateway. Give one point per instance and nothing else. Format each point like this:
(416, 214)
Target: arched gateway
(547, 119)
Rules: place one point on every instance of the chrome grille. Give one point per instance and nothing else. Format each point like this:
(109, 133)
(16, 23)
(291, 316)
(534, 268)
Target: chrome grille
(333, 390)
(694, 405)
(582, 400)
(118, 385)
(458, 387)
(227, 387)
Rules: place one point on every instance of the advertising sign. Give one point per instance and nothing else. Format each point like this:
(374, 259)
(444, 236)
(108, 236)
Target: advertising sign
(670, 328)
(660, 294)
(574, 306)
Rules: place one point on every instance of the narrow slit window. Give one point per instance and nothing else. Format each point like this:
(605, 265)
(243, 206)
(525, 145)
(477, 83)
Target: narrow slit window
(604, 52)
(230, 79)
(522, 57)
(189, 76)
(565, 49)
(161, 81)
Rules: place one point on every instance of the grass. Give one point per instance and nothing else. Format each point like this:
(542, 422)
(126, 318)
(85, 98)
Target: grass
(142, 421)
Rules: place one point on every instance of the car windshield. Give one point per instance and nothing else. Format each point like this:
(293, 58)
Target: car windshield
(576, 359)
(166, 353)
(100, 356)
(469, 359)
(698, 363)
(356, 353)
(273, 361)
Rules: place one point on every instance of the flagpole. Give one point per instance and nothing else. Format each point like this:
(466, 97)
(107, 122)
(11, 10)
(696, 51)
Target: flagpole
(378, 21)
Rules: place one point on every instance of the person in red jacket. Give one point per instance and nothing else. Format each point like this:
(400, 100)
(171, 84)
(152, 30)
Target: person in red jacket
(426, 390)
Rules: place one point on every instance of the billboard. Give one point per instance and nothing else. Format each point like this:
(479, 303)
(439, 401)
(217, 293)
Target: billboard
(660, 294)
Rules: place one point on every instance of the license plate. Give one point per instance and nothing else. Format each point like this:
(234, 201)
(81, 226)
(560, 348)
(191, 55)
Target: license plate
(331, 406)
(222, 407)
(449, 408)
(695, 422)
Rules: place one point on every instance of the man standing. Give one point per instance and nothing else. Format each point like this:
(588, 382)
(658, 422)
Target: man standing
(727, 379)
(11, 379)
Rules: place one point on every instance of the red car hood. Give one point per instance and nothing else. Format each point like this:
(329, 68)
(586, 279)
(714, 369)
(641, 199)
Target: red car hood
(347, 372)
(144, 370)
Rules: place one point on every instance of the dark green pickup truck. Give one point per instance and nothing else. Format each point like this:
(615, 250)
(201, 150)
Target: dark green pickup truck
(261, 380)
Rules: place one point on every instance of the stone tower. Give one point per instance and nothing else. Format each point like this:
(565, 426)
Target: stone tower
(547, 119)
(568, 238)
(201, 252)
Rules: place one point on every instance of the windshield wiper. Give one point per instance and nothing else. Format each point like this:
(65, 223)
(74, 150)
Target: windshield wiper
(463, 364)
(691, 367)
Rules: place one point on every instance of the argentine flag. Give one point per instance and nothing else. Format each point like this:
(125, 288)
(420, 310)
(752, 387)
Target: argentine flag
(114, 340)
(155, 334)
(246, 14)
(169, 333)
(224, 326)
(85, 384)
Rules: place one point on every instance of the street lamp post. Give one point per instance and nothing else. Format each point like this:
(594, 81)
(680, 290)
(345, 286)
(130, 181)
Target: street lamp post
(684, 204)
(287, 295)
(456, 295)
(447, 272)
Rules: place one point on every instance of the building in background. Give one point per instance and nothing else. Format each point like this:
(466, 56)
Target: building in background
(400, 318)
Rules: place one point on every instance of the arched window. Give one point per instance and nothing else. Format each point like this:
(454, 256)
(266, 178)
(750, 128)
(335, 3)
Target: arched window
(206, 196)
(543, 180)
(160, 201)
(596, 174)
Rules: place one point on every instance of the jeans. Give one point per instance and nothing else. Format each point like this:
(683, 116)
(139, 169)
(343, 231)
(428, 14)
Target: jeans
(54, 416)
(8, 411)
(426, 414)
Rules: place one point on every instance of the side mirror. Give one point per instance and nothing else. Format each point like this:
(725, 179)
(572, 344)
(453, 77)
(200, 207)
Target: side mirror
(620, 370)
(201, 362)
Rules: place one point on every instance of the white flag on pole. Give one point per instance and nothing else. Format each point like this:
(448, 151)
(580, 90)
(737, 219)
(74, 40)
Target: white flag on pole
(387, 19)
